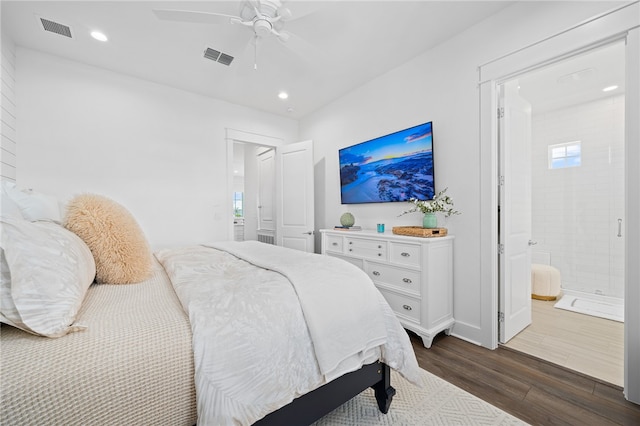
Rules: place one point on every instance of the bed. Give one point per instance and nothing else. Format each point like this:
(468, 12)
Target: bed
(132, 365)
(208, 337)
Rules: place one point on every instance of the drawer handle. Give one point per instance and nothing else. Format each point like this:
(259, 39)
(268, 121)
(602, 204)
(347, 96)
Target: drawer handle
(405, 254)
(350, 249)
(379, 254)
(407, 280)
(407, 307)
(376, 273)
(350, 242)
(335, 244)
(379, 246)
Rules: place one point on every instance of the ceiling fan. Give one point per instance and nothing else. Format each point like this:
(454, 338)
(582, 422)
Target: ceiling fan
(265, 18)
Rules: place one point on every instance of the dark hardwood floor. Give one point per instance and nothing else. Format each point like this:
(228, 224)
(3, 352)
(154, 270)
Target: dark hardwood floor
(534, 390)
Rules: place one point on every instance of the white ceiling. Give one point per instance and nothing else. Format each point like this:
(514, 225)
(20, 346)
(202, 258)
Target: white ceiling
(338, 45)
(576, 80)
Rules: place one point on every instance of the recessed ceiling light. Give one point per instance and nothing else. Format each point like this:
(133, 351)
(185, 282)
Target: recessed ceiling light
(283, 95)
(610, 88)
(99, 36)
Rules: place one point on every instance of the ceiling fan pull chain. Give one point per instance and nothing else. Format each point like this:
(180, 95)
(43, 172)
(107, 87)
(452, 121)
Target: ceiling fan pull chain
(255, 53)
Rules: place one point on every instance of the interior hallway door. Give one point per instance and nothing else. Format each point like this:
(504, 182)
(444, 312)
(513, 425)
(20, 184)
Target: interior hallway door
(295, 196)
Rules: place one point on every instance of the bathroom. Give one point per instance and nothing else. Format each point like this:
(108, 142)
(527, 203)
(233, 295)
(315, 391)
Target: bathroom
(578, 195)
(577, 112)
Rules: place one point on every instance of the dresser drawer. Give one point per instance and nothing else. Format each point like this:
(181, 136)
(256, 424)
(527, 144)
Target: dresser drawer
(405, 254)
(334, 243)
(400, 278)
(404, 306)
(369, 249)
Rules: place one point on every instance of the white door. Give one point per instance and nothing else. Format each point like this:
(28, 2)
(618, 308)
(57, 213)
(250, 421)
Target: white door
(266, 184)
(294, 195)
(515, 211)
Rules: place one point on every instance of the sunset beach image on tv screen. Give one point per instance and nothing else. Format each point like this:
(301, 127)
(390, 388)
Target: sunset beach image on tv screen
(394, 167)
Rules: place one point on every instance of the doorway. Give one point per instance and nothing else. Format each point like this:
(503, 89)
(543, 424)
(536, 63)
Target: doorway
(243, 174)
(562, 204)
(290, 168)
(253, 193)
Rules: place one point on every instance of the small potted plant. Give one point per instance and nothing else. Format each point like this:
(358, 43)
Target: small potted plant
(440, 203)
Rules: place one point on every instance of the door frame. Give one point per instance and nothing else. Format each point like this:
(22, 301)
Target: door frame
(617, 24)
(232, 136)
(490, 104)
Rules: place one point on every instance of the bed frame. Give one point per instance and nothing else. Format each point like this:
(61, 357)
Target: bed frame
(308, 408)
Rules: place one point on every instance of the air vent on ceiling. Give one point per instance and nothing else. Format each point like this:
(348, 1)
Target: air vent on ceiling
(225, 59)
(577, 76)
(55, 27)
(217, 56)
(211, 54)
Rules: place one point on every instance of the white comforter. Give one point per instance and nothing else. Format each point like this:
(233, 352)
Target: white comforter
(253, 350)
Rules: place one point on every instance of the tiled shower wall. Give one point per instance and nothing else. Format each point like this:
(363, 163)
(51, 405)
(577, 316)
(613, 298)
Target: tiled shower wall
(576, 210)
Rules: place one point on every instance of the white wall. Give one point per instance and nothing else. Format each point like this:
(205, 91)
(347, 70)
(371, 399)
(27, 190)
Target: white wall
(238, 183)
(440, 85)
(575, 210)
(157, 150)
(8, 110)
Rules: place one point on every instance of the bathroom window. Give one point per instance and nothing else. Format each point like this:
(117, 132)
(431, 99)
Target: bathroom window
(564, 155)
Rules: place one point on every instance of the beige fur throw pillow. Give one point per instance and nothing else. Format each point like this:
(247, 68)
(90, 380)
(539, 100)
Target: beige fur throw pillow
(118, 245)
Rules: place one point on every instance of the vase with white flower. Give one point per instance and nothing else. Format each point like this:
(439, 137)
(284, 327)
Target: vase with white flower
(440, 203)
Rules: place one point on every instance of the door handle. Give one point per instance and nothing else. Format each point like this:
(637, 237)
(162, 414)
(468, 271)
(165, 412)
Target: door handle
(532, 243)
(619, 227)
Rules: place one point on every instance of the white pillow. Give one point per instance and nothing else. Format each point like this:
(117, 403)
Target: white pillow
(8, 208)
(35, 205)
(46, 271)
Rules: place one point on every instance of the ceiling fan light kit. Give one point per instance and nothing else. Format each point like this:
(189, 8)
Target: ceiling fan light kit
(262, 27)
(266, 17)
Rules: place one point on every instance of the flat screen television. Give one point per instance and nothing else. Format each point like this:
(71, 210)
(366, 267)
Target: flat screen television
(395, 167)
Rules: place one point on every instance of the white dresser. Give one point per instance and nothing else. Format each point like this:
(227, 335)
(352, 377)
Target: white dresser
(414, 274)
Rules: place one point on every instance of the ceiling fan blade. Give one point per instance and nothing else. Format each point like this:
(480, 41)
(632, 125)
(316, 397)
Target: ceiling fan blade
(283, 36)
(284, 14)
(238, 45)
(194, 16)
(299, 46)
(300, 9)
(254, 3)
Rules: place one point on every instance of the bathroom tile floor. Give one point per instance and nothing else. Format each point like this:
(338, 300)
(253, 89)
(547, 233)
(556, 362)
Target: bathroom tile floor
(590, 345)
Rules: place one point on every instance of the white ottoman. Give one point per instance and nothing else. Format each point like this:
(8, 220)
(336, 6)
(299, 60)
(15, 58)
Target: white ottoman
(545, 282)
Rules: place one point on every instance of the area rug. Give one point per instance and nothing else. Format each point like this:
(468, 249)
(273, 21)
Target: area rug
(437, 403)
